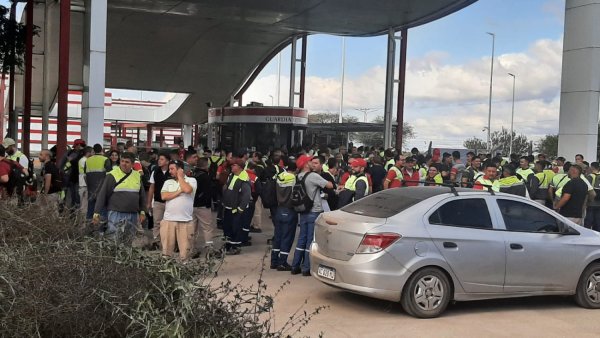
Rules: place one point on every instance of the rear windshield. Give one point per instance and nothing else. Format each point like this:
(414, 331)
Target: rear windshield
(381, 205)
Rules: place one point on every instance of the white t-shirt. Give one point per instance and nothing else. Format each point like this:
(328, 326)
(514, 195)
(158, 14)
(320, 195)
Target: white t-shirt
(181, 208)
(24, 161)
(82, 175)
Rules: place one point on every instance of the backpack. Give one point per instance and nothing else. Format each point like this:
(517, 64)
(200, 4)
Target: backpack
(15, 178)
(300, 200)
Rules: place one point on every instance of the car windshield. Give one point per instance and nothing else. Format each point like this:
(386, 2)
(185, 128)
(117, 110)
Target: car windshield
(381, 205)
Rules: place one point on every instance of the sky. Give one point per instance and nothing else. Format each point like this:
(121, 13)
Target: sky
(448, 73)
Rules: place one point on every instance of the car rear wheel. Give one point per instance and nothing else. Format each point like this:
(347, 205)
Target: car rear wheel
(426, 294)
(588, 288)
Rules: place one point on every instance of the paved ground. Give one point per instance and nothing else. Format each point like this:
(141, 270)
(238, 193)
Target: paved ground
(352, 315)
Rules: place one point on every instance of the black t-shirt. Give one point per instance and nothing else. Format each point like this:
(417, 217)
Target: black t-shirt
(203, 197)
(578, 191)
(332, 197)
(51, 169)
(378, 174)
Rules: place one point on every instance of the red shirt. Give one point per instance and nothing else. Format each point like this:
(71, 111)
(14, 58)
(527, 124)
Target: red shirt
(252, 177)
(414, 177)
(4, 168)
(391, 176)
(344, 178)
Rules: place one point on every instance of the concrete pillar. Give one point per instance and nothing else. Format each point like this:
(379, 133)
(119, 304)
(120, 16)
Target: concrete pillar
(187, 134)
(580, 87)
(94, 72)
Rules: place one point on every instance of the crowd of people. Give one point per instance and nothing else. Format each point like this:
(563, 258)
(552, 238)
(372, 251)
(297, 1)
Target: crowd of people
(183, 195)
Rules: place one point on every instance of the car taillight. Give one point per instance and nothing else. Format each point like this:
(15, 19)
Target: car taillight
(373, 243)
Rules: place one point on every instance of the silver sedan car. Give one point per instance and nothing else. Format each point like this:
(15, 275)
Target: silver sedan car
(427, 246)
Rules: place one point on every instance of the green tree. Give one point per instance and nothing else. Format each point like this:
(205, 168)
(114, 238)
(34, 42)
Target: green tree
(475, 143)
(501, 142)
(12, 37)
(376, 138)
(548, 145)
(328, 117)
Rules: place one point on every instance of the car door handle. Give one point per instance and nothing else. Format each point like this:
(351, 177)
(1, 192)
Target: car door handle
(516, 246)
(450, 245)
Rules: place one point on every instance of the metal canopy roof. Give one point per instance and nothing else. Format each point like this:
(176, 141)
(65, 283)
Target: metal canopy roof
(208, 48)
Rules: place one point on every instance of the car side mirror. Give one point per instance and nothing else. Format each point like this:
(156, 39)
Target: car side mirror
(567, 230)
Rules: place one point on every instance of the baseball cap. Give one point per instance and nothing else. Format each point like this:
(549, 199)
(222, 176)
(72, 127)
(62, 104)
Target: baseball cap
(302, 161)
(359, 162)
(8, 142)
(79, 142)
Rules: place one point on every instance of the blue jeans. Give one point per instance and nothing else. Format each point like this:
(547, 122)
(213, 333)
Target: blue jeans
(285, 229)
(121, 226)
(91, 207)
(305, 238)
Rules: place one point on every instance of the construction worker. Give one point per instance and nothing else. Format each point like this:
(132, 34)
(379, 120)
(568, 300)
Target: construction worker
(285, 220)
(433, 177)
(473, 172)
(558, 182)
(95, 169)
(489, 179)
(123, 195)
(539, 183)
(236, 198)
(524, 169)
(394, 177)
(510, 183)
(357, 185)
(592, 215)
(389, 158)
(13, 154)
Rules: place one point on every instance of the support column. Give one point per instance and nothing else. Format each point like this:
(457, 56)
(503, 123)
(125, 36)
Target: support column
(148, 137)
(401, 87)
(12, 115)
(389, 89)
(94, 72)
(292, 72)
(26, 125)
(2, 89)
(63, 77)
(47, 105)
(187, 135)
(580, 87)
(303, 70)
(196, 141)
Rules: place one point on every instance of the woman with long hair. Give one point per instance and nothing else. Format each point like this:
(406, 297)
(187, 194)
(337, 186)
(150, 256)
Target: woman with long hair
(115, 158)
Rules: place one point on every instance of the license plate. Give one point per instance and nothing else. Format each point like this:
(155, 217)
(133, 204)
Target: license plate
(326, 272)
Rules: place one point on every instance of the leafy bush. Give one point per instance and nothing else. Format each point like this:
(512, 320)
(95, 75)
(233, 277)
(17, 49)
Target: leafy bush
(56, 282)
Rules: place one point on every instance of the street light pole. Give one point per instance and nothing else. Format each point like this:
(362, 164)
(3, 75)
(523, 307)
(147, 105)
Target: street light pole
(343, 78)
(489, 126)
(271, 100)
(512, 116)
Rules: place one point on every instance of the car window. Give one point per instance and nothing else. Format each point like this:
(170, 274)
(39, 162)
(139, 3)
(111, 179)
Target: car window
(467, 213)
(382, 205)
(519, 216)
